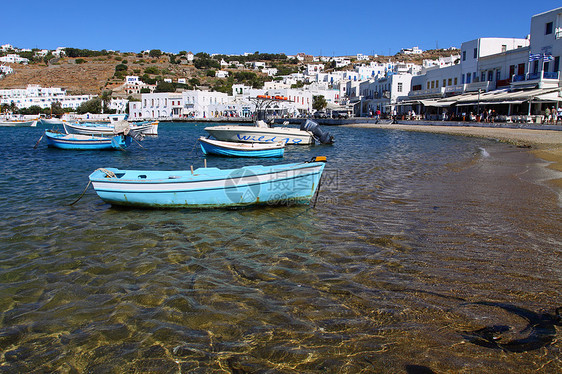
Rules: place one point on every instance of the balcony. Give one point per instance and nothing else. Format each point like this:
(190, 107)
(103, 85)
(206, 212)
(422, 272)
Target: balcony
(542, 79)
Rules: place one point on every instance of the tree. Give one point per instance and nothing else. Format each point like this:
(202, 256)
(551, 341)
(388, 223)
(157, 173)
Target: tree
(90, 106)
(155, 53)
(319, 102)
(165, 87)
(56, 108)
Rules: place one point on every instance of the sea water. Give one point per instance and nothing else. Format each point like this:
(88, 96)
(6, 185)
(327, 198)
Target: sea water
(422, 253)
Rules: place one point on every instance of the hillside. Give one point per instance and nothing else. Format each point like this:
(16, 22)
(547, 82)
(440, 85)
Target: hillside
(92, 75)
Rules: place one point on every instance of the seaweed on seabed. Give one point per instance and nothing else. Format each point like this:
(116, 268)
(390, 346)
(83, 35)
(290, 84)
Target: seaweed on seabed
(541, 330)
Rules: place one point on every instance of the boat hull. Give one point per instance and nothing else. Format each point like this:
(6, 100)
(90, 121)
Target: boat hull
(254, 134)
(209, 187)
(18, 123)
(86, 142)
(149, 128)
(232, 149)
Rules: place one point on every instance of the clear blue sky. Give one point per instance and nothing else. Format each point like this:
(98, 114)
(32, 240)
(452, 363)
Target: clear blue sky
(325, 27)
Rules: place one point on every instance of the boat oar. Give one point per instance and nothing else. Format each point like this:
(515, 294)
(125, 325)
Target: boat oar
(140, 145)
(36, 144)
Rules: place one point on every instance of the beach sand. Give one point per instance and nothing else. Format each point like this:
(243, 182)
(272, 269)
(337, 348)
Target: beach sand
(545, 144)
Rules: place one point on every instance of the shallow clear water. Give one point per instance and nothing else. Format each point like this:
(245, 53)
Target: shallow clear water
(416, 241)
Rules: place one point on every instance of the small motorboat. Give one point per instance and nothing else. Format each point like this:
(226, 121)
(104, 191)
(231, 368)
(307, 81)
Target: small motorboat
(261, 132)
(210, 187)
(87, 142)
(235, 149)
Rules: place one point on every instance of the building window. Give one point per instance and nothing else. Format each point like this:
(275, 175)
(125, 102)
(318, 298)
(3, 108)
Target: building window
(432, 84)
(504, 47)
(400, 87)
(483, 76)
(475, 52)
(428, 85)
(468, 78)
(498, 75)
(464, 55)
(450, 82)
(437, 84)
(548, 28)
(556, 63)
(456, 81)
(444, 82)
(490, 75)
(462, 79)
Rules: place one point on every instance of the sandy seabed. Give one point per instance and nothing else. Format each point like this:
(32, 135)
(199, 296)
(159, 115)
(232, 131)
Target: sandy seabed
(545, 144)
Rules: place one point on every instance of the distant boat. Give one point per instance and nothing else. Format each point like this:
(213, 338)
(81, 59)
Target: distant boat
(144, 128)
(86, 142)
(16, 123)
(262, 133)
(235, 149)
(50, 121)
(210, 187)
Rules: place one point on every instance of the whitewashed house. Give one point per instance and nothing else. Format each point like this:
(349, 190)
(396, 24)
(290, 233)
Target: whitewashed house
(161, 105)
(14, 59)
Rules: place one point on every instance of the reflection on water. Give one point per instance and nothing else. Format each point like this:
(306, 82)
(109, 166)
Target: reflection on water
(420, 246)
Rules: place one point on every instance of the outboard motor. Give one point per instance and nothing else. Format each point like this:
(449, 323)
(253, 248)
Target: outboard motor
(319, 135)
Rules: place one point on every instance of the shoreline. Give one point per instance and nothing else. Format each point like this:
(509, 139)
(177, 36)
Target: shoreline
(544, 144)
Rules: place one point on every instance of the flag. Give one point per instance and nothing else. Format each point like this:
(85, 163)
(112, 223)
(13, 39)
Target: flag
(533, 57)
(547, 57)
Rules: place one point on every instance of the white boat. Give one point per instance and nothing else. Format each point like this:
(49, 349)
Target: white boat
(236, 149)
(16, 123)
(51, 121)
(145, 128)
(262, 133)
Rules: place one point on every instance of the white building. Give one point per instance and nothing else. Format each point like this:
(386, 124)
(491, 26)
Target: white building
(13, 59)
(43, 97)
(546, 41)
(5, 70)
(411, 51)
(383, 94)
(221, 74)
(162, 105)
(133, 85)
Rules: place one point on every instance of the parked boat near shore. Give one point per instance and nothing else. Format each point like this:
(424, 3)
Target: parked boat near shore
(16, 123)
(262, 133)
(236, 149)
(86, 142)
(144, 128)
(210, 187)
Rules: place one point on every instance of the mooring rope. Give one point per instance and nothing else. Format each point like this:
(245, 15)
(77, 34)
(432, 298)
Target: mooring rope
(108, 174)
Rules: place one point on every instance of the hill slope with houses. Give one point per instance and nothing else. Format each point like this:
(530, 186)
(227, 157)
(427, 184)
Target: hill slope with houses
(93, 75)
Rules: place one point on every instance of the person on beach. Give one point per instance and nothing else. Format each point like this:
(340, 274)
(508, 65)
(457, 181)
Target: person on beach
(546, 115)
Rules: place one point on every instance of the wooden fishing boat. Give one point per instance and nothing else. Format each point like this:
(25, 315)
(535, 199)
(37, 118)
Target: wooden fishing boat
(86, 142)
(210, 187)
(235, 149)
(144, 128)
(16, 123)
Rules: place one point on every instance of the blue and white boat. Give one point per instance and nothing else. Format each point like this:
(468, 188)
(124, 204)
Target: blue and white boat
(87, 142)
(210, 187)
(144, 128)
(235, 149)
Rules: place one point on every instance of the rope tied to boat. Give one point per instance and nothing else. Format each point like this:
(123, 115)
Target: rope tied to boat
(108, 174)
